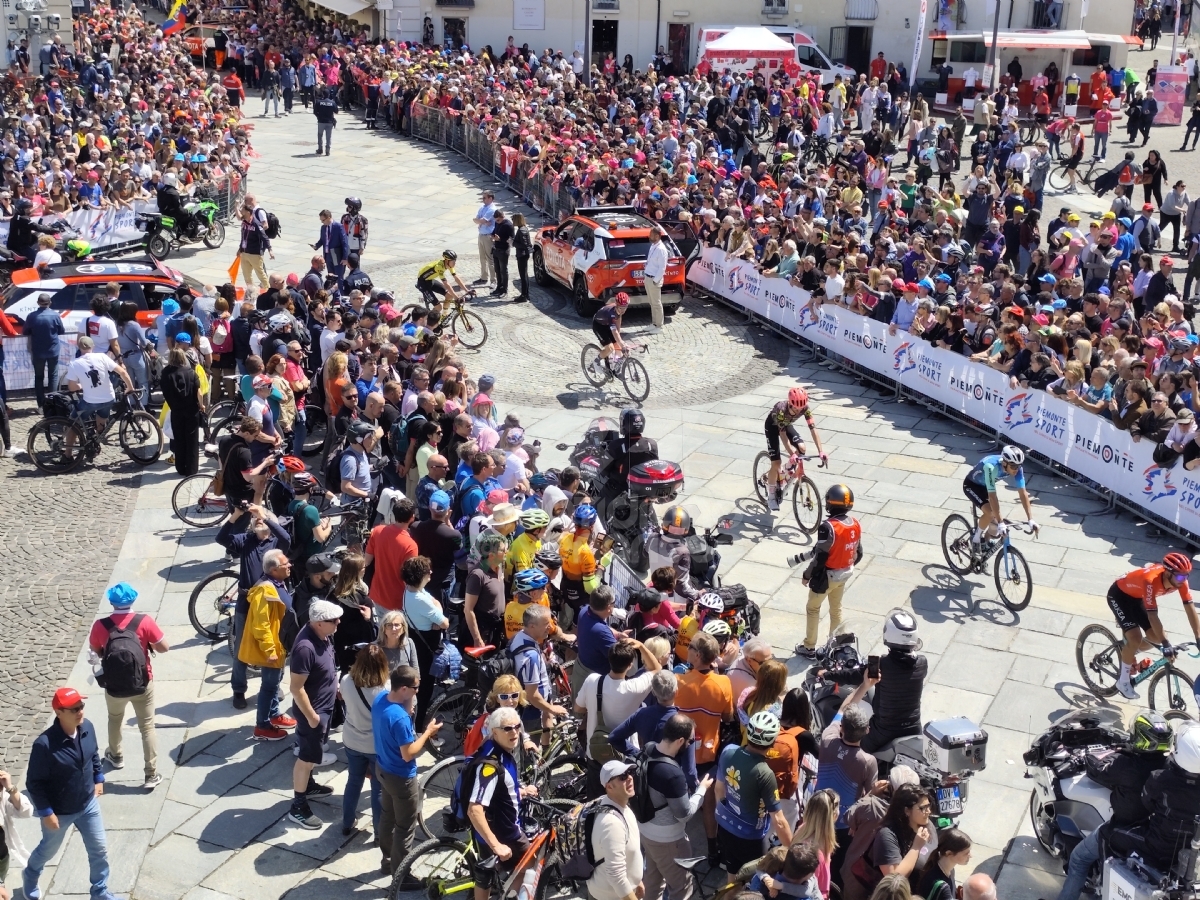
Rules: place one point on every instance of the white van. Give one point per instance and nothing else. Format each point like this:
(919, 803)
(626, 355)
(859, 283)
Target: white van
(810, 56)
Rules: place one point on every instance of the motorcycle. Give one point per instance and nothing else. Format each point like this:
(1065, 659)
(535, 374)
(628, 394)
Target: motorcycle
(629, 516)
(1066, 805)
(69, 245)
(946, 754)
(163, 233)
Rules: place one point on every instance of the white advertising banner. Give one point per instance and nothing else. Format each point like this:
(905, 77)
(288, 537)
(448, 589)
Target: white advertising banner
(1085, 443)
(99, 227)
(529, 15)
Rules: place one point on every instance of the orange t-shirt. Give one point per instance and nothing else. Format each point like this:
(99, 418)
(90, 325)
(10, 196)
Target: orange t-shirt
(333, 394)
(392, 546)
(706, 698)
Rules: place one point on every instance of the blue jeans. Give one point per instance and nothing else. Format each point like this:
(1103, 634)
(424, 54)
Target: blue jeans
(1100, 145)
(45, 378)
(239, 676)
(359, 765)
(91, 829)
(299, 433)
(1085, 855)
(268, 699)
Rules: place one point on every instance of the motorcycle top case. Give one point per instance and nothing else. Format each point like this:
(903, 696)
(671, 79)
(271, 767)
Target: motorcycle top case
(657, 480)
(1122, 883)
(956, 745)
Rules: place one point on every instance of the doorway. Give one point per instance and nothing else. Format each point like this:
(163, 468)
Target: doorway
(454, 32)
(679, 47)
(858, 48)
(604, 39)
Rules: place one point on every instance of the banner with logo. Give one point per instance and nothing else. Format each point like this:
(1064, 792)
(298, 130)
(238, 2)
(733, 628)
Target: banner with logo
(99, 227)
(1073, 437)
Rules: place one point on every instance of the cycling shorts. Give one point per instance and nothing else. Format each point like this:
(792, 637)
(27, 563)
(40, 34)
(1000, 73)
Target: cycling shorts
(1074, 161)
(603, 334)
(430, 285)
(771, 428)
(1128, 610)
(975, 492)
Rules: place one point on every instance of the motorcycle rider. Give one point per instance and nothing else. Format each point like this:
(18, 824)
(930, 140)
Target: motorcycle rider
(902, 673)
(668, 548)
(1125, 773)
(838, 548)
(23, 231)
(355, 225)
(627, 451)
(1172, 795)
(171, 203)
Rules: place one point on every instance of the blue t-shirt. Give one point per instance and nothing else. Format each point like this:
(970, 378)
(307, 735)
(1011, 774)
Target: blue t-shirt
(422, 610)
(393, 729)
(594, 640)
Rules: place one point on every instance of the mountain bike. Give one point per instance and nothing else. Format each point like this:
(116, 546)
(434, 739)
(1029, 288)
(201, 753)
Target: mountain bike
(1013, 579)
(465, 324)
(806, 499)
(63, 439)
(620, 364)
(1060, 180)
(1098, 655)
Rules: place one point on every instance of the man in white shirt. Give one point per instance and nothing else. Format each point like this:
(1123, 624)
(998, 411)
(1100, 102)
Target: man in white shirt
(331, 334)
(100, 328)
(616, 840)
(89, 372)
(616, 698)
(655, 271)
(577, 63)
(485, 219)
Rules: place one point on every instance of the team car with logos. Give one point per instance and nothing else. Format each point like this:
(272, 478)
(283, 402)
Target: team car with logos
(611, 259)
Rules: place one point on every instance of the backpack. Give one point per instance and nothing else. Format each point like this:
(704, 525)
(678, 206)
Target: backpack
(273, 229)
(289, 628)
(599, 747)
(504, 663)
(641, 804)
(333, 471)
(221, 336)
(573, 840)
(456, 509)
(454, 817)
(124, 671)
(701, 556)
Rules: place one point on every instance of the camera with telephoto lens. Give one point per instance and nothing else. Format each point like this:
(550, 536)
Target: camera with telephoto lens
(794, 561)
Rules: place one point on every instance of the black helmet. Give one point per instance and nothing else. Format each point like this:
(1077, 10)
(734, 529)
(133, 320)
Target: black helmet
(24, 207)
(353, 204)
(360, 431)
(633, 423)
(450, 255)
(839, 499)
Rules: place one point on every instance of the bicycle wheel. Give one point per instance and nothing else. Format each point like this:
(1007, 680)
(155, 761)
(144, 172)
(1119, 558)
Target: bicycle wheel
(587, 358)
(222, 410)
(47, 445)
(141, 437)
(193, 502)
(806, 505)
(956, 544)
(469, 328)
(211, 606)
(1014, 581)
(636, 380)
(440, 865)
(761, 470)
(456, 710)
(1059, 179)
(565, 778)
(1098, 655)
(1028, 133)
(437, 787)
(1172, 691)
(317, 423)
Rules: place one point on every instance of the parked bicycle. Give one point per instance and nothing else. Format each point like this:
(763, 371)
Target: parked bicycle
(806, 499)
(620, 364)
(465, 324)
(1171, 691)
(65, 438)
(1014, 582)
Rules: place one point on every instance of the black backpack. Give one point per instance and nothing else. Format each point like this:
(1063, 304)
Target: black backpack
(124, 670)
(333, 471)
(701, 556)
(641, 804)
(273, 229)
(573, 840)
(454, 817)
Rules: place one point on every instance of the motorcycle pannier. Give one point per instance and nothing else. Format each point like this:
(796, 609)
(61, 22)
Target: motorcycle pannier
(956, 745)
(657, 480)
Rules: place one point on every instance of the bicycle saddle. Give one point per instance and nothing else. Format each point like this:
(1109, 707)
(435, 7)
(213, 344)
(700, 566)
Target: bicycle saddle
(691, 862)
(477, 652)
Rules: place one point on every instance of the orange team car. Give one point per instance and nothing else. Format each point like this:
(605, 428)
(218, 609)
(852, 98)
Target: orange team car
(610, 260)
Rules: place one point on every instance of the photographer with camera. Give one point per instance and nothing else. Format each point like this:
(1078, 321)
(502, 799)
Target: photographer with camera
(838, 548)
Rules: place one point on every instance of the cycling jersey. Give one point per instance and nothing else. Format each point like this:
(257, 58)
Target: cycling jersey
(989, 470)
(578, 560)
(433, 271)
(782, 417)
(607, 316)
(1146, 584)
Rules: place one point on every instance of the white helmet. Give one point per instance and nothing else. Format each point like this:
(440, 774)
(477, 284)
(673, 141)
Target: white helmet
(1013, 454)
(169, 178)
(762, 729)
(1185, 749)
(719, 629)
(900, 631)
(712, 601)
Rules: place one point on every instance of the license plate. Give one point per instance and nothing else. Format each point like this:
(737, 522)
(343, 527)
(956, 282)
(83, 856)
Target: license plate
(638, 273)
(949, 801)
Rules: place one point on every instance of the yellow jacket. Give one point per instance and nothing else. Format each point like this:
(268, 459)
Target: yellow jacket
(260, 639)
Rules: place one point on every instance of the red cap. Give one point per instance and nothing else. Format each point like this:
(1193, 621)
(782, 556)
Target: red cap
(1016, 311)
(66, 697)
(909, 288)
(883, 204)
(293, 279)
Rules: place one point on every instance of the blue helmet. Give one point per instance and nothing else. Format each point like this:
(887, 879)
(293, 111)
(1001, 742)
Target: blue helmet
(585, 515)
(529, 580)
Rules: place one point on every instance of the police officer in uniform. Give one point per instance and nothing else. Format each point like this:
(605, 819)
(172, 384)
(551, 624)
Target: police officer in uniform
(897, 703)
(838, 548)
(356, 279)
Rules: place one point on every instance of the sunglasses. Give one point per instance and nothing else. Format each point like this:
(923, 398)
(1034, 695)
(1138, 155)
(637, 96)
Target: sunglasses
(510, 729)
(506, 697)
(78, 708)
(1179, 578)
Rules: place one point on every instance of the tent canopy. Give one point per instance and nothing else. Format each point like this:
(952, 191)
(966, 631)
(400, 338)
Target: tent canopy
(1029, 40)
(753, 40)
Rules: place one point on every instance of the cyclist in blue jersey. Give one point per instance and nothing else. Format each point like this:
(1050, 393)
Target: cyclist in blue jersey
(606, 325)
(980, 488)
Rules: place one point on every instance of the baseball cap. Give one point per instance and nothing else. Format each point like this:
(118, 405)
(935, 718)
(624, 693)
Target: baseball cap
(1014, 311)
(614, 768)
(486, 383)
(1073, 217)
(1147, 207)
(323, 562)
(183, 338)
(66, 697)
(121, 595)
(261, 381)
(942, 276)
(1048, 279)
(439, 501)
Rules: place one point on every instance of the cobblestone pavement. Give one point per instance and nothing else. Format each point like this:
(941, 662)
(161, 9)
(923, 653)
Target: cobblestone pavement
(216, 827)
(61, 535)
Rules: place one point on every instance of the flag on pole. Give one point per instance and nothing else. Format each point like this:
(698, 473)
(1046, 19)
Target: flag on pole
(918, 45)
(234, 268)
(176, 18)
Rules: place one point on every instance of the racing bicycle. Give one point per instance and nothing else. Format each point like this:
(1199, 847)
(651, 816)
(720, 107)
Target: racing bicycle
(1013, 579)
(65, 437)
(806, 499)
(1171, 692)
(465, 324)
(1060, 180)
(620, 364)
(225, 416)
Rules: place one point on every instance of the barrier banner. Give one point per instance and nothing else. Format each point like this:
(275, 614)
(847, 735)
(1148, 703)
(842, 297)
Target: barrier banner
(18, 366)
(1073, 437)
(100, 227)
